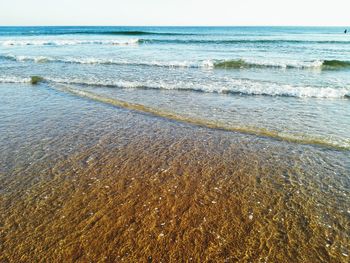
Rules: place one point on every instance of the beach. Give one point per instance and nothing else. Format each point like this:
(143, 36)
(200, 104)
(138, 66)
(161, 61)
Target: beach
(174, 144)
(86, 181)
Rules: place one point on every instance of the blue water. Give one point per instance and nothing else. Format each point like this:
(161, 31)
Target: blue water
(290, 83)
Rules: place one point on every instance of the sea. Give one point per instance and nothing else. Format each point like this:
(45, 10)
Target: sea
(292, 83)
(265, 110)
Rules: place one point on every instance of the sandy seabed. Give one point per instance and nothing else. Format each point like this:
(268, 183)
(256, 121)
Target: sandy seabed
(82, 181)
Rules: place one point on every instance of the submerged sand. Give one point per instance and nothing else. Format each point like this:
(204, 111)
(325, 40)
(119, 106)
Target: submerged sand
(97, 183)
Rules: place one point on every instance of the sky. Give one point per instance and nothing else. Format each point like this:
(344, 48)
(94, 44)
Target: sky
(175, 12)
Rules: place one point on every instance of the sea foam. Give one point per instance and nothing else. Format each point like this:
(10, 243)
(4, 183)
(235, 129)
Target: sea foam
(205, 64)
(62, 42)
(241, 87)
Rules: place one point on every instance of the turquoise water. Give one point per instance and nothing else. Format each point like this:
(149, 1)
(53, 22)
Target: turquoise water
(290, 83)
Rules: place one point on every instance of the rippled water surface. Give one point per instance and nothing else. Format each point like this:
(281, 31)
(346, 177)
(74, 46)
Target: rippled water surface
(291, 82)
(174, 144)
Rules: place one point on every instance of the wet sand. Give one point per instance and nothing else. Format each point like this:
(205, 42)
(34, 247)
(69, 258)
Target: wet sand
(82, 181)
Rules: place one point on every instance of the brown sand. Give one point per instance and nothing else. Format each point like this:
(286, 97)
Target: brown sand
(160, 191)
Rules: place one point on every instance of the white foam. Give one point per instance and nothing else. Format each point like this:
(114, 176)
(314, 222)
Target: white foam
(245, 87)
(274, 89)
(13, 79)
(285, 63)
(205, 64)
(68, 42)
(239, 86)
(93, 60)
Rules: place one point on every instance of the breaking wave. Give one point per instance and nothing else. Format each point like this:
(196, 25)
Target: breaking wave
(336, 64)
(301, 138)
(76, 87)
(242, 87)
(68, 42)
(91, 60)
(240, 41)
(209, 64)
(321, 64)
(60, 42)
(94, 32)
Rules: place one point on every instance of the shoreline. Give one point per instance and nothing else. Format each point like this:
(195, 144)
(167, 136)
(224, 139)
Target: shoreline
(136, 187)
(259, 132)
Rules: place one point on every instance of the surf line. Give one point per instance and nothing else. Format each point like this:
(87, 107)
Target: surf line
(195, 121)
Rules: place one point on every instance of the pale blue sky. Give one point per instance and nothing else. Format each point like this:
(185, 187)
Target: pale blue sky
(175, 12)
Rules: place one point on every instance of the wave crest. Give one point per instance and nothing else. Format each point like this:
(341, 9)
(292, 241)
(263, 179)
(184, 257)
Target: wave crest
(316, 64)
(97, 32)
(336, 64)
(68, 42)
(242, 87)
(59, 42)
(240, 41)
(209, 64)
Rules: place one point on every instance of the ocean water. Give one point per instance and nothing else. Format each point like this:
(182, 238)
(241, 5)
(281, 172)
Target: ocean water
(253, 166)
(291, 83)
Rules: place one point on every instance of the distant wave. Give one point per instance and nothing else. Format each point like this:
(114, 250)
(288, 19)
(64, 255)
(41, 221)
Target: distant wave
(91, 60)
(336, 64)
(47, 42)
(98, 32)
(243, 87)
(67, 42)
(322, 64)
(240, 63)
(217, 64)
(240, 41)
(13, 79)
(136, 33)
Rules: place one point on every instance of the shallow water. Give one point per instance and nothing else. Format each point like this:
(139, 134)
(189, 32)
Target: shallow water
(255, 115)
(90, 182)
(290, 82)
